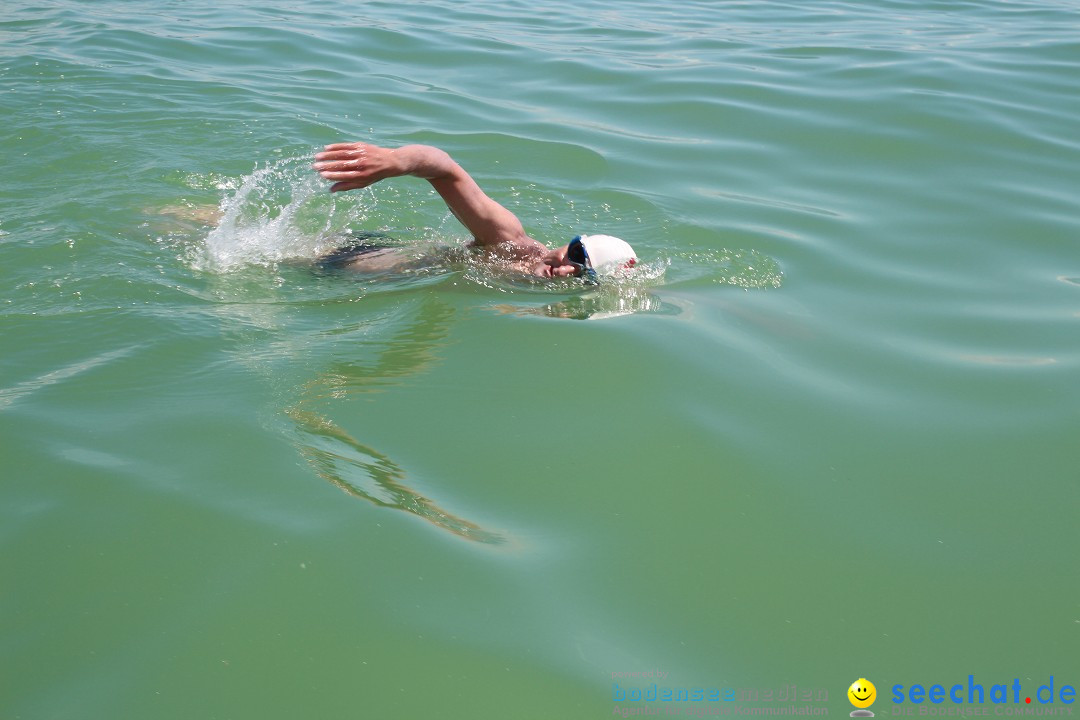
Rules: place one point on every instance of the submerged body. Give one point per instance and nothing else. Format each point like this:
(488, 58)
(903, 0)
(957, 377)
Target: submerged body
(376, 253)
(365, 255)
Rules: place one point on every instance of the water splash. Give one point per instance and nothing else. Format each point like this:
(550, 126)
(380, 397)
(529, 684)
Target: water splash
(279, 212)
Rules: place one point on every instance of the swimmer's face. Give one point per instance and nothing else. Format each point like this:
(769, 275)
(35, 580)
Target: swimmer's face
(555, 263)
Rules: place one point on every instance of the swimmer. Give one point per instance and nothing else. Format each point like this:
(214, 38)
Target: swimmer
(495, 230)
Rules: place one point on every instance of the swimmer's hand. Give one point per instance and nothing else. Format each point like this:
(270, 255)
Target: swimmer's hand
(356, 165)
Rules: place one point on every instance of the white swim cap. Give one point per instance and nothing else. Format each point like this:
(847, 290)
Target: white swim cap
(607, 254)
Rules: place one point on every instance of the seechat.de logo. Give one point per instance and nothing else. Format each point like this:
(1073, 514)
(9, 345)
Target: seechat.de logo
(973, 698)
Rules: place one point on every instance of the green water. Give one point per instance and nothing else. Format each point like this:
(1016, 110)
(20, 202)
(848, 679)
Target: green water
(827, 432)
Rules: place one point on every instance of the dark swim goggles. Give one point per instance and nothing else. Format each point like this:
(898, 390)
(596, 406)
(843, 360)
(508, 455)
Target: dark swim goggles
(577, 256)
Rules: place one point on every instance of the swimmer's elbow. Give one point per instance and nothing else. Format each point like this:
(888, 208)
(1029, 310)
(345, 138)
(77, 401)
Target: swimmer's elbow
(428, 162)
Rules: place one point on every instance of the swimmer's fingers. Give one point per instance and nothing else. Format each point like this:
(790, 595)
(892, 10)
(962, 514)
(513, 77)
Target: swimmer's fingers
(354, 172)
(355, 175)
(341, 160)
(339, 166)
(356, 165)
(326, 160)
(343, 186)
(353, 148)
(349, 180)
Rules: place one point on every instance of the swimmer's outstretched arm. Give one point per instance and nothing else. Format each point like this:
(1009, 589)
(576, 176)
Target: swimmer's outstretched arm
(356, 165)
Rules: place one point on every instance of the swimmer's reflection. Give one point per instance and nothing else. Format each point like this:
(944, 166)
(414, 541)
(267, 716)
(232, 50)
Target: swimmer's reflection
(597, 305)
(410, 351)
(358, 469)
(365, 473)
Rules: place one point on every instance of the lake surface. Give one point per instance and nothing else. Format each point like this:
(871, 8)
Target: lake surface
(826, 431)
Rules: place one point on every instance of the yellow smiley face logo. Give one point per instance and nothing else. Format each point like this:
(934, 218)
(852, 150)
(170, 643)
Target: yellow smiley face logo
(862, 693)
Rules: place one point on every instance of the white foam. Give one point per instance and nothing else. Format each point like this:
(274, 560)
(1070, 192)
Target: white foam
(278, 212)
